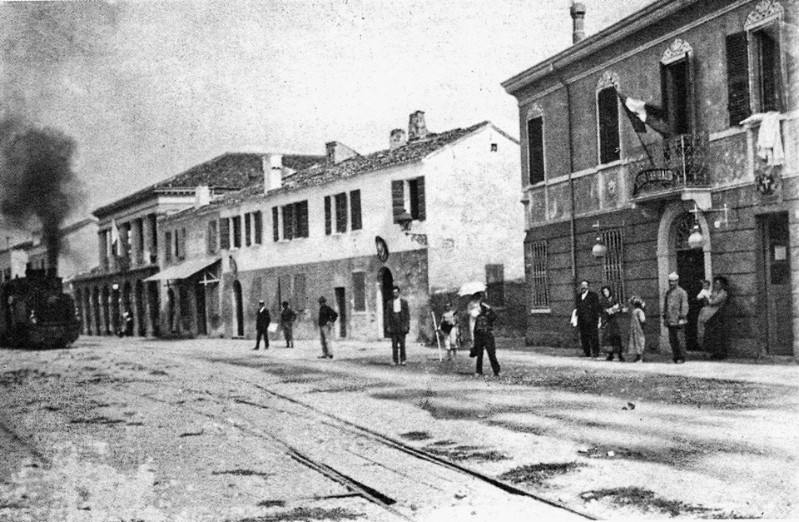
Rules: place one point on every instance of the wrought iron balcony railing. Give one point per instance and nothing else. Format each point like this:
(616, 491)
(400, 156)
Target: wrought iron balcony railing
(672, 165)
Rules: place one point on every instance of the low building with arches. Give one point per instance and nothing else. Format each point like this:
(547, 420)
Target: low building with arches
(667, 142)
(428, 213)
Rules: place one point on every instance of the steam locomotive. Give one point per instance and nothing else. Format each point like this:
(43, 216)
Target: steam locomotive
(36, 312)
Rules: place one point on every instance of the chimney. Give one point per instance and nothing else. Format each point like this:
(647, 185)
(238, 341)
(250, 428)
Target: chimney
(338, 152)
(417, 129)
(578, 17)
(202, 195)
(397, 139)
(273, 171)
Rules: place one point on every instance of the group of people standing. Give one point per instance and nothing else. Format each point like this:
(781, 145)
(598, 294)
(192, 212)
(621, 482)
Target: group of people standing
(597, 319)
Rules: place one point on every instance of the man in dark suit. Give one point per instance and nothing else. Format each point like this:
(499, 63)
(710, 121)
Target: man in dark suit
(262, 321)
(398, 322)
(588, 319)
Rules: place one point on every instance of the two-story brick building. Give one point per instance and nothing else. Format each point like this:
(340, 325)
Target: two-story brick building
(128, 240)
(713, 74)
(428, 213)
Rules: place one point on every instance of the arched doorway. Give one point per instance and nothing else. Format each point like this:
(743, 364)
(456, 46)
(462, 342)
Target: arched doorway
(238, 308)
(385, 282)
(141, 326)
(692, 265)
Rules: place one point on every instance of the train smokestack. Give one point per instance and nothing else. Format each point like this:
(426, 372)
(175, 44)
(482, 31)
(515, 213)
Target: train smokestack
(36, 180)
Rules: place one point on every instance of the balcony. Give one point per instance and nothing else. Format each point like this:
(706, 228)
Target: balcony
(674, 167)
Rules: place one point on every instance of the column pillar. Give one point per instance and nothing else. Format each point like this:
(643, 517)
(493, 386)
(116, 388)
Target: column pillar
(102, 248)
(136, 246)
(150, 250)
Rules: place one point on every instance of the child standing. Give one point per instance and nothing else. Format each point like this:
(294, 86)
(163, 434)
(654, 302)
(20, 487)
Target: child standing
(636, 339)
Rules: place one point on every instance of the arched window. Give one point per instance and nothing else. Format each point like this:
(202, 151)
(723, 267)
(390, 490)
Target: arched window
(535, 144)
(607, 108)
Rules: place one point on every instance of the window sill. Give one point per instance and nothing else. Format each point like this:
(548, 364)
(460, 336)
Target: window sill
(541, 311)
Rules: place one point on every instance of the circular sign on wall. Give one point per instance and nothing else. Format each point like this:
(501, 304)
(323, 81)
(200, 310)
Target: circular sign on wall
(382, 249)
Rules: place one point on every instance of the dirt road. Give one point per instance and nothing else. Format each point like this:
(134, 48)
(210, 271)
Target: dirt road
(209, 430)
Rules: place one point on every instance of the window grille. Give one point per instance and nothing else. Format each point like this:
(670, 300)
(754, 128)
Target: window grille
(538, 274)
(613, 274)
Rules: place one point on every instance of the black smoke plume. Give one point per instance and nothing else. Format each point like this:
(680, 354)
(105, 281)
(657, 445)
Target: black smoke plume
(37, 180)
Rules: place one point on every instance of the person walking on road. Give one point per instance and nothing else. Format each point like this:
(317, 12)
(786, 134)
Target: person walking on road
(449, 327)
(675, 315)
(398, 321)
(262, 321)
(636, 340)
(481, 326)
(609, 323)
(327, 317)
(588, 319)
(287, 317)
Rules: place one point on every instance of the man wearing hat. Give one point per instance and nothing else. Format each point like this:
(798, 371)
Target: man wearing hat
(327, 316)
(675, 316)
(262, 321)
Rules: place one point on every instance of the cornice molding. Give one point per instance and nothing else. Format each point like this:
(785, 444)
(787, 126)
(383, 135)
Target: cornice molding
(764, 12)
(676, 51)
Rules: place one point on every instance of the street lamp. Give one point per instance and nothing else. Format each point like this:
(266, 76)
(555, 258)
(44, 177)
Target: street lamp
(697, 239)
(599, 249)
(404, 220)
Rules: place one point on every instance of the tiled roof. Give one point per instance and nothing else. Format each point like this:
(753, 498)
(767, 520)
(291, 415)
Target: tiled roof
(321, 174)
(232, 171)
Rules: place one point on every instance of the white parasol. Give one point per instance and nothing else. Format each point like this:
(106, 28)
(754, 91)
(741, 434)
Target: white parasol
(472, 287)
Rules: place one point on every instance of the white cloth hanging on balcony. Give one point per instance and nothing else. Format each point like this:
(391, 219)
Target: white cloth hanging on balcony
(769, 140)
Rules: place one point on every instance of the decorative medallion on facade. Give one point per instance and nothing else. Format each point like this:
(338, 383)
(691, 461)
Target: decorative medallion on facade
(765, 12)
(608, 79)
(767, 181)
(676, 51)
(535, 111)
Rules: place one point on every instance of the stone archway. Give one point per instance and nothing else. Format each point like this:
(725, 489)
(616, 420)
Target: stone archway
(667, 253)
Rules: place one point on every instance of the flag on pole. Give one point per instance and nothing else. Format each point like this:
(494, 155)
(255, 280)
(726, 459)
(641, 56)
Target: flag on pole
(115, 243)
(642, 114)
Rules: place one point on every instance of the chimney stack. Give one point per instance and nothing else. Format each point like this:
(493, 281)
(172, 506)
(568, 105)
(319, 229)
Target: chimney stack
(338, 152)
(578, 17)
(397, 139)
(417, 129)
(273, 171)
(202, 195)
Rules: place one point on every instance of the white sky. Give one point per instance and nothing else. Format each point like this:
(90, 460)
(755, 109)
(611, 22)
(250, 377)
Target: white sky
(149, 89)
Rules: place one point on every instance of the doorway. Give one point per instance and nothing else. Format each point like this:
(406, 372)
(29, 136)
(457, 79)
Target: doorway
(691, 269)
(199, 297)
(238, 307)
(777, 282)
(141, 327)
(386, 284)
(341, 304)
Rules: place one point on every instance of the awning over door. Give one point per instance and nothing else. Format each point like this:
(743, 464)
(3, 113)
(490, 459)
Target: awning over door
(184, 270)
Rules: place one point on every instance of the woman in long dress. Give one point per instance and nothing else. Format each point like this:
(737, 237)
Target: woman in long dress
(609, 324)
(715, 338)
(636, 340)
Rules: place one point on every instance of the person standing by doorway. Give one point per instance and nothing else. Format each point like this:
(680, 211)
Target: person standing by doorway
(327, 316)
(287, 317)
(398, 320)
(588, 319)
(262, 321)
(675, 316)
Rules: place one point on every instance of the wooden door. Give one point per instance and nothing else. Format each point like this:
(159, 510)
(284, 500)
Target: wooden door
(777, 278)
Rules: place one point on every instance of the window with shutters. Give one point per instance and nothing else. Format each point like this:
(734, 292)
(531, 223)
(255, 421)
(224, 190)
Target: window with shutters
(168, 246)
(409, 195)
(737, 78)
(613, 269)
(765, 55)
(539, 282)
(535, 149)
(247, 229)
(258, 227)
(224, 233)
(341, 212)
(275, 224)
(236, 220)
(288, 221)
(359, 291)
(355, 210)
(211, 237)
(608, 122)
(328, 217)
(676, 90)
(495, 284)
